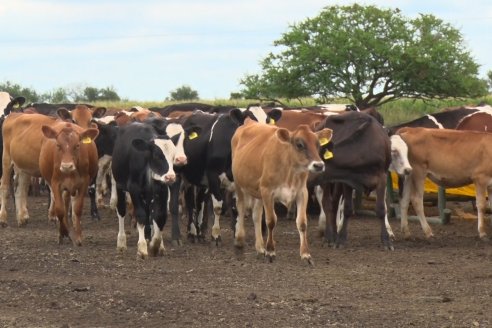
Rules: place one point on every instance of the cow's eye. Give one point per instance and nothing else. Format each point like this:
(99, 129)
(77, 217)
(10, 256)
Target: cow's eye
(299, 145)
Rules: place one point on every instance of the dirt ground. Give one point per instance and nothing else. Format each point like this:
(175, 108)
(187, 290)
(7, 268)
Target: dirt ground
(445, 282)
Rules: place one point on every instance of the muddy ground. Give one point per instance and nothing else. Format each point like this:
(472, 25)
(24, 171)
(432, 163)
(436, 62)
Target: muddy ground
(445, 282)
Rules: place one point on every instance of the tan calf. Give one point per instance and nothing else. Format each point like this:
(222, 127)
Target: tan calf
(449, 158)
(272, 164)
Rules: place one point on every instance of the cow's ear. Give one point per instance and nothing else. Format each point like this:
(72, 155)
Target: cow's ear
(237, 116)
(18, 101)
(324, 136)
(273, 116)
(89, 135)
(283, 135)
(48, 132)
(140, 144)
(64, 114)
(99, 112)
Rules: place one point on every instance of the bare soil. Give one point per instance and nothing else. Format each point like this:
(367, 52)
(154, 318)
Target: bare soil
(445, 282)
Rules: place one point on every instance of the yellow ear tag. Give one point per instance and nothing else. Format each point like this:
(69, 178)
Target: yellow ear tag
(323, 141)
(193, 135)
(87, 140)
(272, 121)
(328, 154)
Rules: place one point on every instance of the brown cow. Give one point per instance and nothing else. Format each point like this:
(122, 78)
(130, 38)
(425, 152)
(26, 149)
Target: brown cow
(291, 119)
(22, 141)
(68, 162)
(449, 158)
(272, 164)
(478, 121)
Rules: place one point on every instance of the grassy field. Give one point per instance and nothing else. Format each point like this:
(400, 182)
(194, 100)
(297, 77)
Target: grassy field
(394, 112)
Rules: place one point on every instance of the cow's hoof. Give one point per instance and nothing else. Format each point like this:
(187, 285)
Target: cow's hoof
(177, 242)
(3, 224)
(22, 223)
(270, 258)
(121, 249)
(485, 238)
(309, 260)
(389, 248)
(217, 241)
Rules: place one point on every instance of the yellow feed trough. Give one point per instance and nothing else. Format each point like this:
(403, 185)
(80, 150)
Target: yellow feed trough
(431, 187)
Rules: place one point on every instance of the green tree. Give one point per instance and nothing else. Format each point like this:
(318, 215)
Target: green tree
(184, 92)
(489, 80)
(55, 96)
(370, 56)
(90, 94)
(15, 89)
(108, 94)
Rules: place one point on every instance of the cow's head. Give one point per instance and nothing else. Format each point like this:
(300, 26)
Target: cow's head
(399, 156)
(68, 140)
(305, 145)
(81, 115)
(255, 113)
(161, 154)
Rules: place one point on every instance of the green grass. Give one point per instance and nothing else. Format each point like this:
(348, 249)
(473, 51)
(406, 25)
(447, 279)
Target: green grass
(395, 112)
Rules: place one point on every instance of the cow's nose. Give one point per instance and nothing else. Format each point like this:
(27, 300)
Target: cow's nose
(318, 166)
(67, 167)
(170, 178)
(180, 160)
(407, 171)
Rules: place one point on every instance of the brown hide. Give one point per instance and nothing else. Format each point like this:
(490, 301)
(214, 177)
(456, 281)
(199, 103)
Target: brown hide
(291, 119)
(68, 161)
(478, 121)
(22, 141)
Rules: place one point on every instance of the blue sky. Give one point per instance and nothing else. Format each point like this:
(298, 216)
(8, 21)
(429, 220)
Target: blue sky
(146, 48)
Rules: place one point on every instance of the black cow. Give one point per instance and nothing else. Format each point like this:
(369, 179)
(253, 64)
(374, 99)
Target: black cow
(447, 119)
(142, 166)
(361, 157)
(209, 164)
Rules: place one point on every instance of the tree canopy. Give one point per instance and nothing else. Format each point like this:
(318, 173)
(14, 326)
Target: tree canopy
(368, 55)
(184, 92)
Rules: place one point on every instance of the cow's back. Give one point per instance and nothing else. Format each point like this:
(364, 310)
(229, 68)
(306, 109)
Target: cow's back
(23, 138)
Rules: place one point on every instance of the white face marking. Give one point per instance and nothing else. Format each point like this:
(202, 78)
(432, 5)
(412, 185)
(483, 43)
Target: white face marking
(4, 101)
(399, 156)
(433, 119)
(171, 130)
(259, 113)
(169, 150)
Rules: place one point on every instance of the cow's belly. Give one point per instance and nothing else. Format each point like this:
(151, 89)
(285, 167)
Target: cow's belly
(449, 181)
(285, 195)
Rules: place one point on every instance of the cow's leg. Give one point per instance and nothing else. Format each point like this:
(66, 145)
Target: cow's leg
(345, 211)
(191, 208)
(481, 203)
(159, 217)
(382, 214)
(114, 198)
(201, 215)
(104, 165)
(257, 214)
(301, 222)
(51, 210)
(241, 212)
(21, 198)
(174, 210)
(318, 192)
(92, 197)
(417, 199)
(404, 203)
(327, 205)
(120, 212)
(58, 199)
(141, 215)
(217, 202)
(77, 206)
(5, 186)
(271, 221)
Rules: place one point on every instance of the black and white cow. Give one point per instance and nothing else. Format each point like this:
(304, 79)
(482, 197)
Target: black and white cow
(208, 149)
(142, 166)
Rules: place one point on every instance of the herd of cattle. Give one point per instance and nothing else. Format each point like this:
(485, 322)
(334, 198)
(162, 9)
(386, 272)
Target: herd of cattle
(240, 161)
